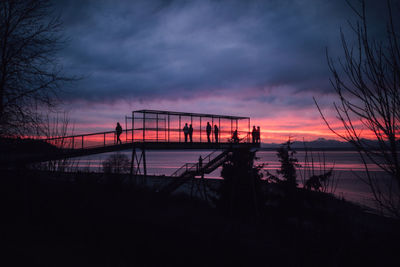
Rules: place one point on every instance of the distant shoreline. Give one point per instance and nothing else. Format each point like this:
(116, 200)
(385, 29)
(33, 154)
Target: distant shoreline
(311, 148)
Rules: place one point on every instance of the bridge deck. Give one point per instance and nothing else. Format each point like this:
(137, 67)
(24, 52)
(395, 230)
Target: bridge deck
(150, 130)
(79, 152)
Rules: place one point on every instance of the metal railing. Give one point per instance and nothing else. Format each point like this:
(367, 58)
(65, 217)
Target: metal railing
(192, 167)
(185, 168)
(103, 139)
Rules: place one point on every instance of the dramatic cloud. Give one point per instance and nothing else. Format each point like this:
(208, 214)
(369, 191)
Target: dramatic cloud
(255, 58)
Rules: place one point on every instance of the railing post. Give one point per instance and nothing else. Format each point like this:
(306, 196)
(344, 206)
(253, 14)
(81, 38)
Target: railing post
(212, 129)
(219, 130)
(133, 126)
(200, 129)
(168, 127)
(248, 131)
(157, 127)
(144, 126)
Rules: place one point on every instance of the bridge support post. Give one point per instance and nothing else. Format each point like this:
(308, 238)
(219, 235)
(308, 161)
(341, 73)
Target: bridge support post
(144, 165)
(137, 160)
(131, 173)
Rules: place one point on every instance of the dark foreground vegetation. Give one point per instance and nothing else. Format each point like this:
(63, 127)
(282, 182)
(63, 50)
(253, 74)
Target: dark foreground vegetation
(47, 221)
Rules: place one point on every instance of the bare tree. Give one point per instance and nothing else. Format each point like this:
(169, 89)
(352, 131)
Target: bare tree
(317, 174)
(58, 126)
(116, 164)
(367, 84)
(30, 75)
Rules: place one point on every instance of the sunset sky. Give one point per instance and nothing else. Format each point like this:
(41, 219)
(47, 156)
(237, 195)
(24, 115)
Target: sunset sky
(263, 59)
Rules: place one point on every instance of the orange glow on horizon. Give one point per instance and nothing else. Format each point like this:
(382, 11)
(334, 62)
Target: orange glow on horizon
(276, 126)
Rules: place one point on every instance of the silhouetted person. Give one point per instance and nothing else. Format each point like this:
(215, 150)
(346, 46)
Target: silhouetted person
(216, 133)
(254, 134)
(208, 130)
(258, 134)
(200, 163)
(235, 137)
(186, 132)
(118, 131)
(191, 133)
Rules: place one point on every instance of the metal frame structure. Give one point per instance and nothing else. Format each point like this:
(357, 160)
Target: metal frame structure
(163, 129)
(152, 129)
(157, 124)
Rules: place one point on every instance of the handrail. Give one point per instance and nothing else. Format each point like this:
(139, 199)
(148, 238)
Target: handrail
(185, 167)
(196, 165)
(80, 135)
(108, 138)
(129, 131)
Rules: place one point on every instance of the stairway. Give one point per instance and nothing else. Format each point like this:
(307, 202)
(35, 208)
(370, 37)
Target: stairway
(190, 170)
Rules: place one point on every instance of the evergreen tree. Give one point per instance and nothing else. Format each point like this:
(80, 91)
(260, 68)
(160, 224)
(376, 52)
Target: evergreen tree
(240, 193)
(287, 172)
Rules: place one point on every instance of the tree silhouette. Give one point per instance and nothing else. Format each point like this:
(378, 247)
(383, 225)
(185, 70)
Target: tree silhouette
(367, 84)
(240, 193)
(287, 172)
(116, 164)
(30, 76)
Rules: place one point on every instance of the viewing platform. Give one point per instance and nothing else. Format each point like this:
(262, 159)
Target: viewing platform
(161, 130)
(152, 130)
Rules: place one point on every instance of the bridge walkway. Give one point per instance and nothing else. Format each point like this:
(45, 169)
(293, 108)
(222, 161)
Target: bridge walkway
(95, 143)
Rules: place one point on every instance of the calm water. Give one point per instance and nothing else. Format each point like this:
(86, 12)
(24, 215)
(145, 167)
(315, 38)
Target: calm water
(345, 163)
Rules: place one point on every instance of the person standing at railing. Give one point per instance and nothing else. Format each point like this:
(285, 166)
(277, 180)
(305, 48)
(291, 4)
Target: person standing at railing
(191, 133)
(254, 134)
(208, 130)
(186, 132)
(258, 135)
(118, 131)
(235, 137)
(200, 166)
(216, 133)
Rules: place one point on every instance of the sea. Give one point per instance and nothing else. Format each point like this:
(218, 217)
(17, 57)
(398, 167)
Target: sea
(347, 180)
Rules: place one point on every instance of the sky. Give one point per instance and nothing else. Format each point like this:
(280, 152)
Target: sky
(262, 59)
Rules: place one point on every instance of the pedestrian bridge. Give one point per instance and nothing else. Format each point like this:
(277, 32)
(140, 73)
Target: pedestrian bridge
(150, 130)
(158, 130)
(155, 130)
